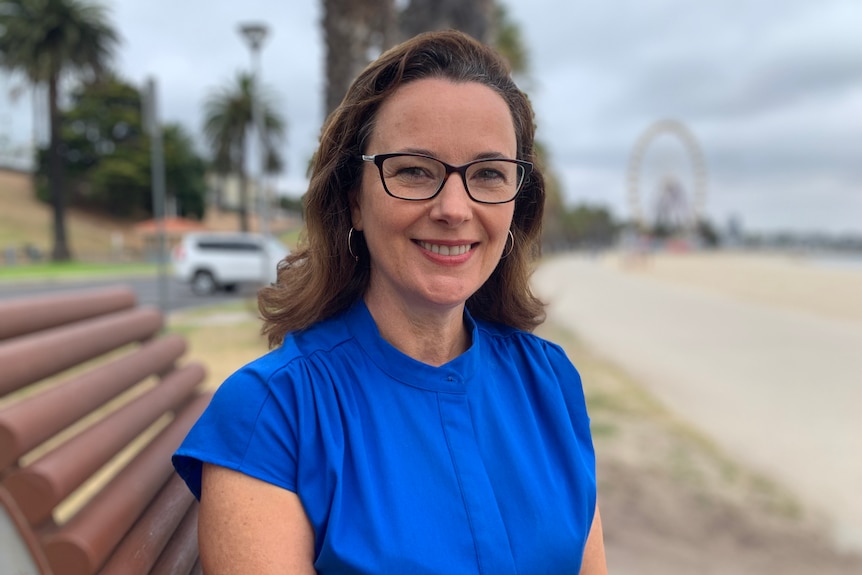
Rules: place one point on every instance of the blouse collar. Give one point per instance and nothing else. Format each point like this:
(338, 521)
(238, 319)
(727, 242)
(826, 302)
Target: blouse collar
(451, 377)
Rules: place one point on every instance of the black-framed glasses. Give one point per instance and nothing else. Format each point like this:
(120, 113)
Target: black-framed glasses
(417, 177)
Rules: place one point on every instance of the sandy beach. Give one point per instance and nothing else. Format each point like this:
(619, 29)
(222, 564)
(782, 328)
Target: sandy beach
(762, 354)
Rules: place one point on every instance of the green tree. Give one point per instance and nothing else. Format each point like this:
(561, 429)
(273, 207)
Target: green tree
(107, 155)
(46, 40)
(185, 172)
(292, 204)
(106, 152)
(589, 226)
(553, 226)
(227, 122)
(508, 40)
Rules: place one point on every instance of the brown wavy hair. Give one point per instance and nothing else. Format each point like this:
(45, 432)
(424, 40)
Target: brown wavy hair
(321, 278)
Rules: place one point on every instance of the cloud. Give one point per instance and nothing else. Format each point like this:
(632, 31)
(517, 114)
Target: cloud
(771, 89)
(194, 47)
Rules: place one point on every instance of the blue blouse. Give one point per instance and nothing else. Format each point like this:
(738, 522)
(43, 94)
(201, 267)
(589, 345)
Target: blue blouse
(482, 465)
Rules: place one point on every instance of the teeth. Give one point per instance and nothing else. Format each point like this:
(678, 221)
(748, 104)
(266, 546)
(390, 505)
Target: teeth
(446, 250)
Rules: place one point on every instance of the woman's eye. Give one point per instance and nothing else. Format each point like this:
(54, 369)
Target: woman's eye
(488, 174)
(412, 172)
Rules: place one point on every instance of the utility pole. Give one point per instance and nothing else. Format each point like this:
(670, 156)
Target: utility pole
(157, 170)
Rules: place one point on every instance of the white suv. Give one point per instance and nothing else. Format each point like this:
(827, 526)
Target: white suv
(210, 261)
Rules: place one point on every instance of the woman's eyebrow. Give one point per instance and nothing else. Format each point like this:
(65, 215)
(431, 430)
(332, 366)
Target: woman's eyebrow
(489, 155)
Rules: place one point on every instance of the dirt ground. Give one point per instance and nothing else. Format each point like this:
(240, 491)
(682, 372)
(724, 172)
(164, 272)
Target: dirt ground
(655, 525)
(674, 503)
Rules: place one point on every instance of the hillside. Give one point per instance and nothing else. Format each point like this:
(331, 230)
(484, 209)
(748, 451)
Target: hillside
(24, 221)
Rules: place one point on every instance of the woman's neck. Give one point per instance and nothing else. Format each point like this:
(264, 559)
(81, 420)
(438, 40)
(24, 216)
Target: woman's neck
(432, 336)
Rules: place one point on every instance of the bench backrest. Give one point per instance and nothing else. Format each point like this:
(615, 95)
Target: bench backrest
(93, 403)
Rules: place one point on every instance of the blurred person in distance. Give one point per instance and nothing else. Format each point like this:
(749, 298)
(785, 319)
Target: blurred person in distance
(407, 420)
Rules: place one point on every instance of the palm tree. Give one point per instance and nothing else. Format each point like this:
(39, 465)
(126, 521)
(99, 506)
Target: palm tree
(45, 40)
(508, 40)
(473, 17)
(228, 116)
(353, 31)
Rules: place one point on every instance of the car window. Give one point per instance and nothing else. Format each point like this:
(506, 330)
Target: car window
(229, 245)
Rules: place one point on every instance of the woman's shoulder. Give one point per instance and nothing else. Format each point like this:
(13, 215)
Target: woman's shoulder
(510, 336)
(289, 362)
(541, 365)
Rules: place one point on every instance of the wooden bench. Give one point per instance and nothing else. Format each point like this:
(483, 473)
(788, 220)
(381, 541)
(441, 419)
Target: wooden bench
(92, 405)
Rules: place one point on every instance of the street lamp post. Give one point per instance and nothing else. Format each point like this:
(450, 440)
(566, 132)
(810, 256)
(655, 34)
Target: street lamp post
(254, 35)
(157, 171)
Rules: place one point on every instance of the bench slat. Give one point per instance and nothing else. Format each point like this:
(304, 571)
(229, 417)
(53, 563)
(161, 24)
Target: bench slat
(39, 487)
(28, 423)
(181, 552)
(25, 360)
(141, 547)
(95, 443)
(83, 544)
(27, 315)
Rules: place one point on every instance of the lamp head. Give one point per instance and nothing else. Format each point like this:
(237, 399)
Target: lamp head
(254, 34)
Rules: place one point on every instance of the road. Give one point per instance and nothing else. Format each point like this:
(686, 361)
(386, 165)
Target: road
(779, 389)
(178, 295)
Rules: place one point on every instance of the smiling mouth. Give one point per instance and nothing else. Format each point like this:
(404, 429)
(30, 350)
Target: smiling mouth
(446, 250)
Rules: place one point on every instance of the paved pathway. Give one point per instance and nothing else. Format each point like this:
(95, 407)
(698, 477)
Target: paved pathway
(781, 390)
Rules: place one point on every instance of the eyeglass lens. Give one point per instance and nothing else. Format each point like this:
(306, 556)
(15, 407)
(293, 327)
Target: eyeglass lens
(418, 178)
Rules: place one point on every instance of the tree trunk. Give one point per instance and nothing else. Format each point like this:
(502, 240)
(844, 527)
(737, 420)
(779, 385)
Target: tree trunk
(355, 30)
(473, 17)
(243, 202)
(243, 189)
(56, 173)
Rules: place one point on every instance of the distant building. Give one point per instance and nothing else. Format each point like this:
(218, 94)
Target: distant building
(224, 193)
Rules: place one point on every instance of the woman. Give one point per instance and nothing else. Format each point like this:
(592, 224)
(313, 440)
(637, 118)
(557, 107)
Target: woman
(407, 422)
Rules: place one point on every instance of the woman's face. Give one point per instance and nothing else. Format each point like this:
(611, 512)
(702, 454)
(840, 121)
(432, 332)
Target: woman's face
(434, 253)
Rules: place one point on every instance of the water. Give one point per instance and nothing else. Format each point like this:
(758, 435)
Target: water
(836, 260)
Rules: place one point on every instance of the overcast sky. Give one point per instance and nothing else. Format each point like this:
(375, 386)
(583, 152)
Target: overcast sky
(771, 90)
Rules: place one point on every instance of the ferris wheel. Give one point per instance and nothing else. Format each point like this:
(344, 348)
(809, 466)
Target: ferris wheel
(673, 205)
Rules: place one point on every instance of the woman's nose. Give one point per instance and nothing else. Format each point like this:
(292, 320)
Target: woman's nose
(452, 205)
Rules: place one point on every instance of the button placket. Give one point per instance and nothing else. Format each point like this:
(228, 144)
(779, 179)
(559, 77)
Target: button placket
(493, 552)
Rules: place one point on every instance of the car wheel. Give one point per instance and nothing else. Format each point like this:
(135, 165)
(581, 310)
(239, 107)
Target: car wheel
(203, 283)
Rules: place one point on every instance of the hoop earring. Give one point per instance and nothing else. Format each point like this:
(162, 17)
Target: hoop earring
(511, 249)
(350, 244)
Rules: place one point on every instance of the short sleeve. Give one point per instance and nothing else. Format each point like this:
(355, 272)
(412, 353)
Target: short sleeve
(570, 381)
(246, 428)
